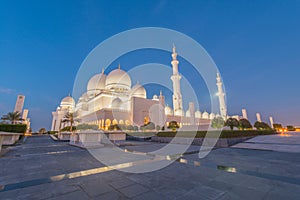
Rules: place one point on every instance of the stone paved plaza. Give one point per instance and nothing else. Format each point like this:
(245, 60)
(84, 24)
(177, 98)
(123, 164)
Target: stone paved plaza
(44, 169)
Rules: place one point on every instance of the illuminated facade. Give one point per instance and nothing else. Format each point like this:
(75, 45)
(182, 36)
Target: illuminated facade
(111, 99)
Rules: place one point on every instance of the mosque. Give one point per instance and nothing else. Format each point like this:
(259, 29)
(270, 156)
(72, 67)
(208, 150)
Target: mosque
(111, 99)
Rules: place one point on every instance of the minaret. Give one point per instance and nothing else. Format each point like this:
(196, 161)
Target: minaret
(177, 98)
(258, 118)
(244, 113)
(221, 95)
(271, 122)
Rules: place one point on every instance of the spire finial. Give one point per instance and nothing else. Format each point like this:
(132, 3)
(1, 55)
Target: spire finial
(119, 66)
(137, 82)
(69, 94)
(174, 48)
(160, 93)
(218, 77)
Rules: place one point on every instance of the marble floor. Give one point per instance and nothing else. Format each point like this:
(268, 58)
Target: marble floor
(44, 169)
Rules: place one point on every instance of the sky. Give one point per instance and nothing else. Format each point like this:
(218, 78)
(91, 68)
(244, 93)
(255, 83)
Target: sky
(255, 45)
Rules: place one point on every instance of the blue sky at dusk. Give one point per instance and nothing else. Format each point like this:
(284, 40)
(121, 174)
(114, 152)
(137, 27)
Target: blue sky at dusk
(255, 45)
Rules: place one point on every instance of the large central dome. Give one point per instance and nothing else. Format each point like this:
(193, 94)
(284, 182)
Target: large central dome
(118, 80)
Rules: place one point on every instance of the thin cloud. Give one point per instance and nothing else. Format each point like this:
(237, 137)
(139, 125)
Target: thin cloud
(7, 90)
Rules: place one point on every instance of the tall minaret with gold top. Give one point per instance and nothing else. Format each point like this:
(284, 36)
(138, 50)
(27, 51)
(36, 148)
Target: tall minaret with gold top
(177, 98)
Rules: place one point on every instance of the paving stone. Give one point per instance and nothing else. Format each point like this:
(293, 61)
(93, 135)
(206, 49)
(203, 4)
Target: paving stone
(110, 195)
(77, 195)
(259, 174)
(120, 183)
(133, 190)
(95, 187)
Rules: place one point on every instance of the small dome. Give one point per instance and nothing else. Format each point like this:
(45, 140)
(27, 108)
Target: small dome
(155, 97)
(168, 110)
(96, 83)
(67, 102)
(83, 98)
(198, 114)
(118, 80)
(205, 115)
(116, 103)
(188, 113)
(138, 91)
(212, 115)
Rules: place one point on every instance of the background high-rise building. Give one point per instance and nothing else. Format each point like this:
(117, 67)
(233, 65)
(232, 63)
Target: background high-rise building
(25, 114)
(19, 103)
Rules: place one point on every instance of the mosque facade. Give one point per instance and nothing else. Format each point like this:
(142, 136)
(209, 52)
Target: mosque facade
(111, 99)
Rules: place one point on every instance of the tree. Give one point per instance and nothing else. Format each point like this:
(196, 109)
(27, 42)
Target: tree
(157, 127)
(42, 131)
(262, 126)
(13, 117)
(244, 124)
(71, 118)
(217, 122)
(290, 128)
(277, 126)
(173, 125)
(232, 122)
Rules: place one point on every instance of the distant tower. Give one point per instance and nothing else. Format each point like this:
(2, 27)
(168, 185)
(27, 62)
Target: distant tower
(271, 122)
(221, 95)
(258, 117)
(177, 98)
(244, 113)
(25, 114)
(192, 113)
(19, 103)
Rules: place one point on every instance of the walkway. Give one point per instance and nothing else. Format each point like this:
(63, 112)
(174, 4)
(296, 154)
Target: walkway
(284, 142)
(44, 169)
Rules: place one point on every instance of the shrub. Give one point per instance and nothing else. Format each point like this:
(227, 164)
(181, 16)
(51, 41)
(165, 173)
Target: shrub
(86, 127)
(68, 128)
(213, 134)
(148, 126)
(114, 127)
(173, 125)
(14, 128)
(52, 132)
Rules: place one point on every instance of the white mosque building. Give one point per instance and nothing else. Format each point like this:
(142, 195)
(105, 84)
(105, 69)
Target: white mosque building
(111, 99)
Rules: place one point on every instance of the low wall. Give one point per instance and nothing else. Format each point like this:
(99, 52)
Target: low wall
(116, 136)
(87, 139)
(64, 136)
(7, 138)
(221, 142)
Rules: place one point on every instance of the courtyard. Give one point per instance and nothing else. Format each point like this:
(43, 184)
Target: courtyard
(41, 168)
